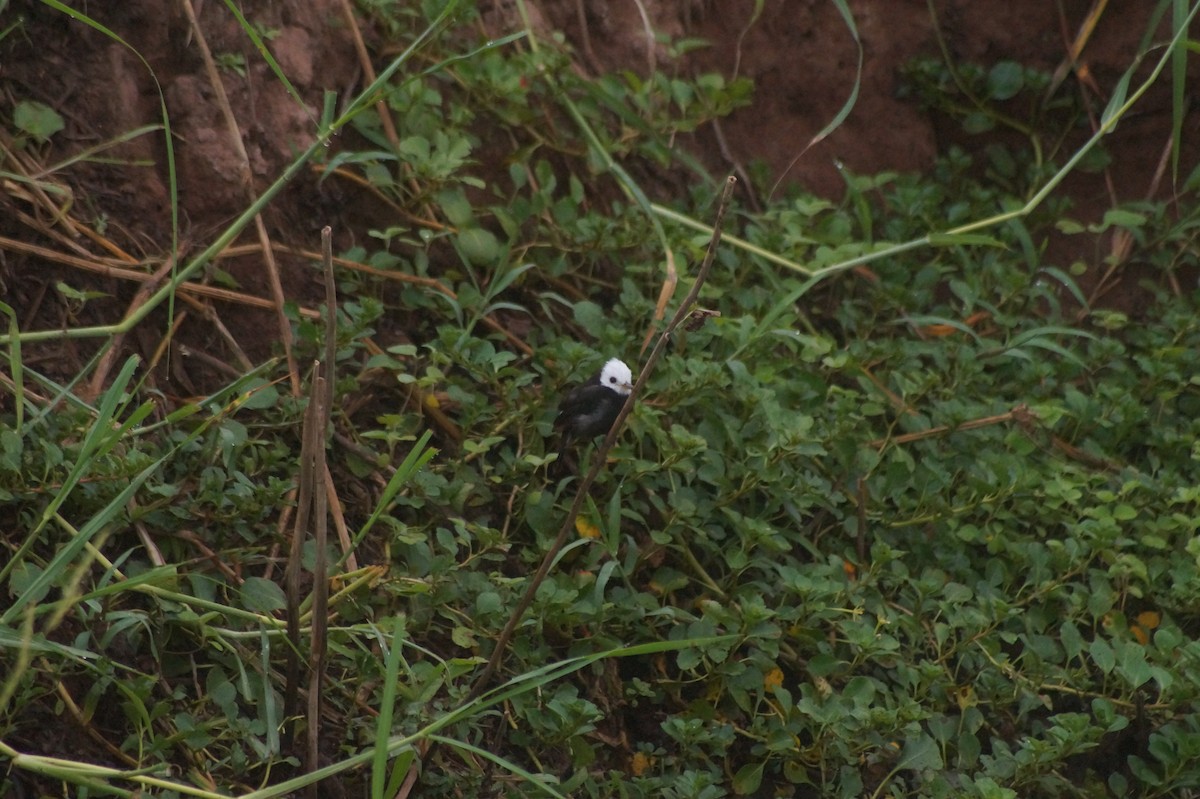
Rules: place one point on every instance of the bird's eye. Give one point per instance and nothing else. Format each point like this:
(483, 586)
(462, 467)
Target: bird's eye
(612, 379)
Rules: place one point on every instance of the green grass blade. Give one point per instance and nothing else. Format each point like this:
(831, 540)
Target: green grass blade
(168, 146)
(537, 781)
(16, 367)
(387, 705)
(1179, 54)
(265, 52)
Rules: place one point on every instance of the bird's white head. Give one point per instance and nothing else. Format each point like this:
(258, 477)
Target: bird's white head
(616, 375)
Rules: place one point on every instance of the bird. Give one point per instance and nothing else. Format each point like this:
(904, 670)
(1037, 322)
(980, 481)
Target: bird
(590, 408)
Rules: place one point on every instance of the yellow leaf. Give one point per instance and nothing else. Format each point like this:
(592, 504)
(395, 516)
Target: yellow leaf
(639, 763)
(1150, 619)
(585, 528)
(773, 678)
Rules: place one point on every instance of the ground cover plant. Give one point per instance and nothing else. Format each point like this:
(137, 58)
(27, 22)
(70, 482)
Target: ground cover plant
(907, 510)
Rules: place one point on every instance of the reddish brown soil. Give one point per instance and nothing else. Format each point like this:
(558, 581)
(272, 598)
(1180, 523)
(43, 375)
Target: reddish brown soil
(802, 59)
(799, 53)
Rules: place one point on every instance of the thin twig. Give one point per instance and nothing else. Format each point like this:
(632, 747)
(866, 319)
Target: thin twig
(337, 513)
(738, 168)
(664, 296)
(110, 270)
(334, 502)
(387, 274)
(585, 40)
(601, 456)
(304, 503)
(648, 29)
(164, 344)
(24, 164)
(113, 351)
(320, 590)
(247, 179)
(364, 62)
(1021, 413)
(322, 395)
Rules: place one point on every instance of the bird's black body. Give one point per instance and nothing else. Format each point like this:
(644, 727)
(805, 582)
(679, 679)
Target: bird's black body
(588, 411)
(591, 408)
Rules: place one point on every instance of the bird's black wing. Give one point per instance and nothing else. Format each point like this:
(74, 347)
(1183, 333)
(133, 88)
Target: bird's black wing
(576, 401)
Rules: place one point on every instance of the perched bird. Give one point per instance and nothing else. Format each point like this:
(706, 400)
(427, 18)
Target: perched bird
(591, 408)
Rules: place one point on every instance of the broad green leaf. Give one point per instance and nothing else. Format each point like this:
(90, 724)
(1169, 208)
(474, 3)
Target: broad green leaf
(921, 753)
(1119, 217)
(37, 119)
(748, 779)
(262, 596)
(479, 246)
(1005, 80)
(1102, 655)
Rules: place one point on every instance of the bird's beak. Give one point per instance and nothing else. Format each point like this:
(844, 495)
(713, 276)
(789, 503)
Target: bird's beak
(627, 386)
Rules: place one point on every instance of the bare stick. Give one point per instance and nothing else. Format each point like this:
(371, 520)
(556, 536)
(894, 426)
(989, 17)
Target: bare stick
(304, 503)
(681, 313)
(313, 504)
(320, 590)
(322, 395)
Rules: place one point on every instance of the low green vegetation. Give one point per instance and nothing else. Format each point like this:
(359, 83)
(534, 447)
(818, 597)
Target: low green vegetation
(922, 525)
